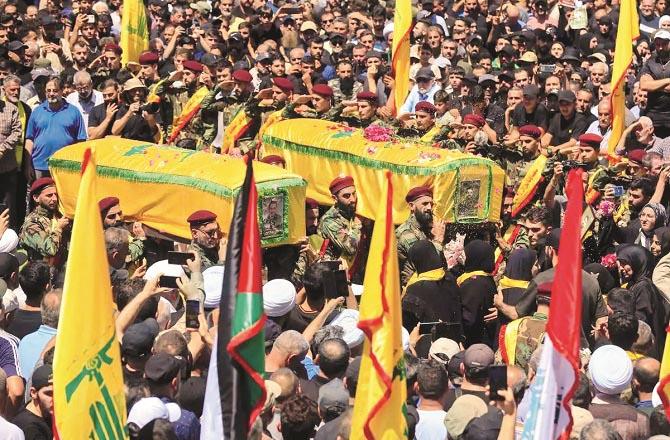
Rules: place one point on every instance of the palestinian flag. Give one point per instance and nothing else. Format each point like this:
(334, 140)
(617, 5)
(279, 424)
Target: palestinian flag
(235, 387)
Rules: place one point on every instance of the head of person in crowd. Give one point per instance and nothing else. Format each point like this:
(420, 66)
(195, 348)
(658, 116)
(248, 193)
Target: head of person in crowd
(622, 329)
(432, 382)
(134, 91)
(41, 393)
(110, 211)
(333, 400)
(288, 351)
(367, 104)
(9, 269)
(529, 140)
(475, 366)
(311, 216)
(660, 244)
(646, 373)
(600, 429)
(205, 230)
(644, 130)
(538, 225)
(589, 146)
(464, 409)
(278, 299)
(425, 258)
(34, 280)
(282, 91)
(604, 277)
(472, 124)
(610, 370)
(566, 104)
(552, 243)
(126, 290)
(479, 256)
(521, 265)
(639, 194)
(333, 358)
(322, 98)
(658, 423)
(149, 66)
(652, 217)
(137, 343)
(117, 243)
(343, 191)
(420, 200)
(299, 417)
(634, 263)
(44, 194)
(163, 374)
(425, 115)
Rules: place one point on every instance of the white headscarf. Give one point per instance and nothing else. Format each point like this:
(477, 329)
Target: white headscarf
(611, 369)
(278, 297)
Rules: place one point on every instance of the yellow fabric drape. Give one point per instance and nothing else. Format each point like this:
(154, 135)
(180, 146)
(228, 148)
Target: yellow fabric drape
(431, 275)
(467, 275)
(506, 283)
(528, 185)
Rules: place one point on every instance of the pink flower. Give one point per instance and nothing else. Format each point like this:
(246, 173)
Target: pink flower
(605, 208)
(609, 261)
(377, 133)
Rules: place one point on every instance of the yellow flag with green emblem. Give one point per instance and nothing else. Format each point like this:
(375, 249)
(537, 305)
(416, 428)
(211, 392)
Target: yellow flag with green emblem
(134, 31)
(89, 401)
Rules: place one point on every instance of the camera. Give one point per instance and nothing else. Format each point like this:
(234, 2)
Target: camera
(573, 164)
(150, 107)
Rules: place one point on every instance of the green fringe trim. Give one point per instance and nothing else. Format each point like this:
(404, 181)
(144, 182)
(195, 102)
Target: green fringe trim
(411, 170)
(219, 190)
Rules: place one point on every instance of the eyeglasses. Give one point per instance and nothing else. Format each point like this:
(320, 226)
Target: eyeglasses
(327, 21)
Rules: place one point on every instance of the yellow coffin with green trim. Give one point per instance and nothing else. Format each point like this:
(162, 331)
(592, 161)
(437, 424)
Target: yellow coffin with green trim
(161, 186)
(467, 188)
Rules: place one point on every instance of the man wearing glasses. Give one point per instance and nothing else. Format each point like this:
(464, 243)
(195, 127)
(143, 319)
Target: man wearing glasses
(85, 98)
(206, 238)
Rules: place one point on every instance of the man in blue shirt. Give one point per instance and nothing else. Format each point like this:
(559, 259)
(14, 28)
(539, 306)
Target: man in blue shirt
(32, 345)
(53, 125)
(424, 90)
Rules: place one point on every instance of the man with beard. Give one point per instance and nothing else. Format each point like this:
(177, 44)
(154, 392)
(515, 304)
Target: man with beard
(655, 80)
(206, 238)
(85, 98)
(112, 217)
(42, 232)
(10, 136)
(53, 125)
(424, 90)
(345, 87)
(101, 117)
(35, 419)
(417, 227)
(339, 225)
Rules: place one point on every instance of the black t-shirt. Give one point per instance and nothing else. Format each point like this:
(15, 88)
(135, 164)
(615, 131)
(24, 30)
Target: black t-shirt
(452, 396)
(33, 427)
(539, 117)
(137, 128)
(658, 101)
(96, 117)
(24, 322)
(562, 130)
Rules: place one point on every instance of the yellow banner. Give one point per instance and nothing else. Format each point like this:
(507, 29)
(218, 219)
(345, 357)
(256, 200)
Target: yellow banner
(235, 130)
(189, 110)
(134, 31)
(402, 25)
(379, 406)
(161, 186)
(628, 30)
(89, 400)
(528, 185)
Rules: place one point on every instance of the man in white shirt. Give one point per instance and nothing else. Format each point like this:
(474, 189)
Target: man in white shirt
(431, 385)
(85, 98)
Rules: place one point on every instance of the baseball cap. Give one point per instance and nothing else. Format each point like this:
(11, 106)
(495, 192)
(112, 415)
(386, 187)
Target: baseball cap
(147, 410)
(566, 95)
(443, 349)
(139, 338)
(42, 376)
(425, 73)
(308, 26)
(528, 57)
(662, 34)
(161, 368)
(531, 91)
(15, 46)
(478, 357)
(487, 77)
(333, 397)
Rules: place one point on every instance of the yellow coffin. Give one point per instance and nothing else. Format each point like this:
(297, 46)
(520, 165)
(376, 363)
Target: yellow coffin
(161, 186)
(467, 188)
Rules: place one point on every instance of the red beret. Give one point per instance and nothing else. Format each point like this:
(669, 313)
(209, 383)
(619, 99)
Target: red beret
(108, 202)
(113, 47)
(201, 217)
(41, 183)
(273, 159)
(544, 289)
(417, 192)
(311, 203)
(242, 76)
(322, 90)
(636, 155)
(339, 183)
(590, 140)
(476, 120)
(284, 84)
(147, 58)
(530, 130)
(367, 96)
(425, 106)
(193, 66)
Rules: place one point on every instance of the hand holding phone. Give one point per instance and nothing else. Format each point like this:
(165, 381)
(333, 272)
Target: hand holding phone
(192, 312)
(168, 282)
(497, 381)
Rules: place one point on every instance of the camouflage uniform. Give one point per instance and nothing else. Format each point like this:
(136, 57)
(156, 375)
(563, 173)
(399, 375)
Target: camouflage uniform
(209, 257)
(40, 236)
(344, 234)
(171, 105)
(339, 95)
(515, 171)
(228, 105)
(406, 235)
(136, 249)
(363, 123)
(529, 336)
(334, 114)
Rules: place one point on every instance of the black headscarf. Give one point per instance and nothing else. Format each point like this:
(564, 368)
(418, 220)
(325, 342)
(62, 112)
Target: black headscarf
(605, 279)
(663, 235)
(639, 259)
(424, 256)
(520, 264)
(479, 256)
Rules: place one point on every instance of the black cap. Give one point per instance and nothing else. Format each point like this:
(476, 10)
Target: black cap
(139, 338)
(42, 376)
(570, 54)
(161, 368)
(566, 95)
(425, 73)
(16, 46)
(209, 60)
(531, 90)
(47, 20)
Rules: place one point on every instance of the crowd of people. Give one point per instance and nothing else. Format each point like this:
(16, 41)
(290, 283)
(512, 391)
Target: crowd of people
(525, 83)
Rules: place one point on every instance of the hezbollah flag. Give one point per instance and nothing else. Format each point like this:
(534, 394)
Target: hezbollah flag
(235, 130)
(134, 31)
(379, 408)
(402, 25)
(235, 391)
(89, 400)
(190, 109)
(664, 382)
(628, 30)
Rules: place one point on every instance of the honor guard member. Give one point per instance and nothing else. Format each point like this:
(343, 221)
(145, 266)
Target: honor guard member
(112, 217)
(149, 69)
(367, 104)
(529, 147)
(339, 224)
(322, 105)
(175, 93)
(422, 122)
(41, 235)
(589, 146)
(228, 103)
(206, 238)
(417, 227)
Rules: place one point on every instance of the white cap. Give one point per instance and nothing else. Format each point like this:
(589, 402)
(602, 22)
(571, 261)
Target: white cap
(610, 369)
(348, 320)
(9, 241)
(278, 297)
(165, 268)
(662, 34)
(147, 410)
(213, 283)
(445, 346)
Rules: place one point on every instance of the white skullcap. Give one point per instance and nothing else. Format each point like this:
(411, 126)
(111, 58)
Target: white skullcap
(387, 29)
(9, 241)
(610, 369)
(405, 339)
(357, 289)
(147, 410)
(165, 268)
(347, 319)
(278, 297)
(213, 281)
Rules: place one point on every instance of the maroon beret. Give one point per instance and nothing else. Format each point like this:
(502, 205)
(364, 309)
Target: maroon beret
(108, 202)
(311, 203)
(41, 183)
(147, 58)
(242, 76)
(476, 120)
(368, 96)
(193, 66)
(544, 289)
(339, 183)
(530, 130)
(284, 84)
(425, 106)
(273, 159)
(417, 192)
(201, 217)
(322, 90)
(590, 140)
(636, 155)
(113, 48)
